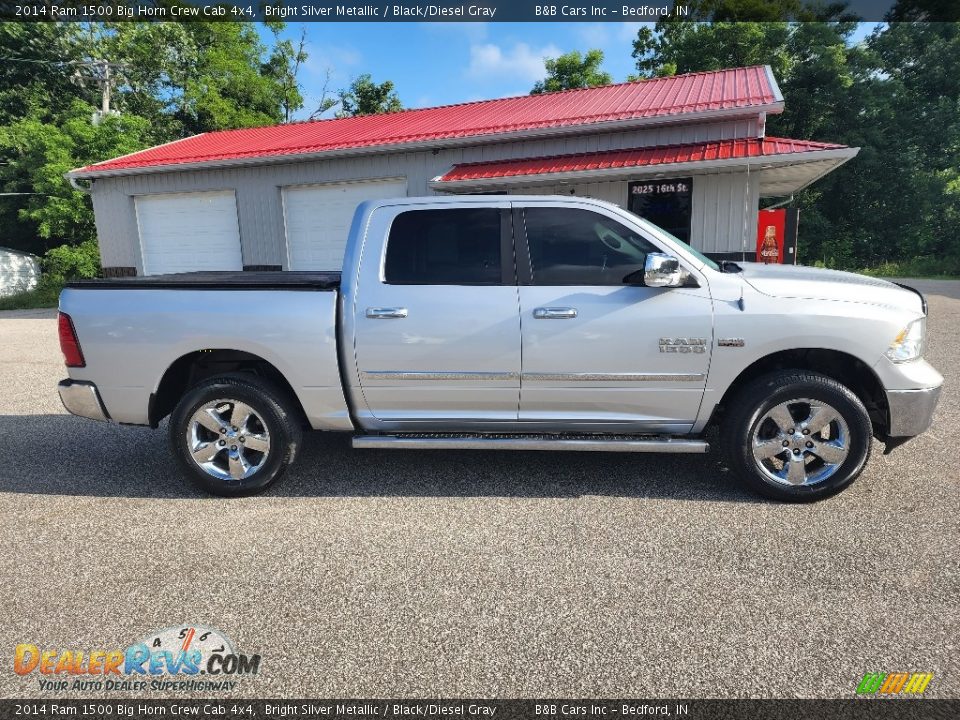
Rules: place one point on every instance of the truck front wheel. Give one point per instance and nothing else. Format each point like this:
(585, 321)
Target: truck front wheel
(796, 436)
(234, 435)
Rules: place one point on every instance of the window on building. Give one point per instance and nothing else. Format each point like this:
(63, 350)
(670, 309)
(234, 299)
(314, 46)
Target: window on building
(665, 203)
(444, 247)
(581, 247)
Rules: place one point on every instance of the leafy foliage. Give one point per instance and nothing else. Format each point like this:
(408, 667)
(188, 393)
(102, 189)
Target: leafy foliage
(44, 296)
(43, 152)
(70, 262)
(171, 80)
(190, 78)
(365, 97)
(284, 64)
(573, 70)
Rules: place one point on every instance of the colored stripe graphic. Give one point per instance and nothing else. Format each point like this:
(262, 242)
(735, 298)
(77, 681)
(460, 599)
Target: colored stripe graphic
(894, 683)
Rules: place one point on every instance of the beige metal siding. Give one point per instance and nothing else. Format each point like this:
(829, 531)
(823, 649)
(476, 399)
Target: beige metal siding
(724, 212)
(258, 188)
(614, 191)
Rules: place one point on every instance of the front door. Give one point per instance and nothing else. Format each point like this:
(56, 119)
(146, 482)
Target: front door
(437, 318)
(597, 351)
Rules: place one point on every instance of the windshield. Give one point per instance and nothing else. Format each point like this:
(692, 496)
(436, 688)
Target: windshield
(674, 239)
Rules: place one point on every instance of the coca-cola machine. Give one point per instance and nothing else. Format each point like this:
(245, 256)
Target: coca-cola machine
(777, 236)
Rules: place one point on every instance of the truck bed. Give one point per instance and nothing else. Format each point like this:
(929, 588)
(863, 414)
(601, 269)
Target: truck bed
(219, 280)
(131, 338)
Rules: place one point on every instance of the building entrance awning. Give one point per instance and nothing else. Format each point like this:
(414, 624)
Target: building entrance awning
(782, 166)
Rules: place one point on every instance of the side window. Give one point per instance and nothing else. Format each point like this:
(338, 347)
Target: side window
(580, 247)
(444, 247)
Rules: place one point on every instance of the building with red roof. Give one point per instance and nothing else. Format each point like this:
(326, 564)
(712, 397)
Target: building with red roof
(688, 152)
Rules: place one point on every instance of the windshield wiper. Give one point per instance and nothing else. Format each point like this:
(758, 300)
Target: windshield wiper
(729, 266)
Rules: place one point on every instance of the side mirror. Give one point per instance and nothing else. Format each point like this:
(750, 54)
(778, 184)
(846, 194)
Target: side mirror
(659, 270)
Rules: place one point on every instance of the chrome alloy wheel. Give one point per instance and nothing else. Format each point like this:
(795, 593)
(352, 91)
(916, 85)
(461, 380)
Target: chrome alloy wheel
(228, 440)
(800, 442)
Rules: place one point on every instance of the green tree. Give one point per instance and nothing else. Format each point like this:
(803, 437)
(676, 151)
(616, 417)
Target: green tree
(679, 47)
(284, 64)
(918, 74)
(832, 91)
(573, 70)
(45, 151)
(169, 80)
(365, 97)
(37, 71)
(198, 77)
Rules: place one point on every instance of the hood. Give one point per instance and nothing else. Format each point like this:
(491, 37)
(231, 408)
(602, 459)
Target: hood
(799, 281)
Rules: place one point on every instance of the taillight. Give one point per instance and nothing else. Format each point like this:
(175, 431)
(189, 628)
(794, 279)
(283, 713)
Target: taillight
(69, 346)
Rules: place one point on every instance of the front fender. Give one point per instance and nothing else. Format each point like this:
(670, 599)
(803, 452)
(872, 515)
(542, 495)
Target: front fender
(768, 325)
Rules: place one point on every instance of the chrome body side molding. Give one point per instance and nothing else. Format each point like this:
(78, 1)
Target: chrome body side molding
(615, 377)
(453, 375)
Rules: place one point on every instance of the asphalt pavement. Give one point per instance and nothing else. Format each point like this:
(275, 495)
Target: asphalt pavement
(468, 574)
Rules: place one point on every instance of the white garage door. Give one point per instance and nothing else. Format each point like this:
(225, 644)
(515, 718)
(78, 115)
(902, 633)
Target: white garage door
(183, 232)
(318, 217)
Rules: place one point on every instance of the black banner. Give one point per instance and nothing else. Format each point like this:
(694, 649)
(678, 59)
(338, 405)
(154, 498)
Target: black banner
(854, 709)
(438, 10)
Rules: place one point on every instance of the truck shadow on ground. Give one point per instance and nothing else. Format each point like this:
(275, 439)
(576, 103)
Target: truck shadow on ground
(63, 455)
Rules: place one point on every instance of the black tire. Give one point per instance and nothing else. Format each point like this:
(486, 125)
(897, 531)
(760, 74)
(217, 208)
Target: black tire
(746, 421)
(272, 424)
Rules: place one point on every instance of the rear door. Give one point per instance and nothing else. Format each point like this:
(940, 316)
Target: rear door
(597, 351)
(436, 317)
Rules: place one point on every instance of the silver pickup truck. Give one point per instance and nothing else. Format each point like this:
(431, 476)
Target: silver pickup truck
(508, 323)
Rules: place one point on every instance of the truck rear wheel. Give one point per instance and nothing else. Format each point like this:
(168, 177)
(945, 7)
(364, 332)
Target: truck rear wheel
(234, 435)
(796, 436)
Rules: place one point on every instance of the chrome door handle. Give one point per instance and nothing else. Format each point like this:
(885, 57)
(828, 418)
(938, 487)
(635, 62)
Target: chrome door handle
(555, 313)
(381, 313)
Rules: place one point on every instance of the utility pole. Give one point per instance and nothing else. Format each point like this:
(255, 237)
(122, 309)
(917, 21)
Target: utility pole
(105, 74)
(105, 88)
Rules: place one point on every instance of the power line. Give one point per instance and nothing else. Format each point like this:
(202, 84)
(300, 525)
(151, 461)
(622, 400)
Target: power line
(45, 62)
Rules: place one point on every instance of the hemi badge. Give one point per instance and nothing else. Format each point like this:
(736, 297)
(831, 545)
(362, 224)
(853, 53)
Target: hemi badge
(730, 342)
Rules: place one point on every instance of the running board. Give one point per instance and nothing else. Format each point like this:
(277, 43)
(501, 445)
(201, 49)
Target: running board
(502, 441)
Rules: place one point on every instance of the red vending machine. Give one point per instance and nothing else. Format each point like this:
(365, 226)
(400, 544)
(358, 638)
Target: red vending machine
(777, 236)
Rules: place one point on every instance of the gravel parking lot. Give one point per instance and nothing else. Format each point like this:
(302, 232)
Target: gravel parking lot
(372, 573)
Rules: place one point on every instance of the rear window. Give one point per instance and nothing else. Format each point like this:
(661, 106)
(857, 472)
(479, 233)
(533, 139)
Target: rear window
(444, 247)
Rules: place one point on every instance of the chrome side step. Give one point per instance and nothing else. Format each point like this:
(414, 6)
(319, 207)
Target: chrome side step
(502, 441)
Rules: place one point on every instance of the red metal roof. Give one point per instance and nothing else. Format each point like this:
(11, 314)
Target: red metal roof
(658, 97)
(635, 157)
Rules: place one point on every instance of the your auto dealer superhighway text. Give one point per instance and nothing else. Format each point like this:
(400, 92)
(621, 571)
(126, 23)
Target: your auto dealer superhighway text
(424, 11)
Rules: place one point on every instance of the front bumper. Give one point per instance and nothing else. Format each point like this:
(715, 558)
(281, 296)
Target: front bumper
(911, 411)
(81, 398)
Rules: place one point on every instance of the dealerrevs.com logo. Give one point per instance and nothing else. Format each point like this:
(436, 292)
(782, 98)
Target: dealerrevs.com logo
(896, 683)
(173, 659)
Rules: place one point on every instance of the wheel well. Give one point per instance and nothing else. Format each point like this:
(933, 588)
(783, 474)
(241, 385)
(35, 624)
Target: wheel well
(187, 371)
(842, 367)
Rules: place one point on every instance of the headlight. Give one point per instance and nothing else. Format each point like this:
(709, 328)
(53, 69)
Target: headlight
(908, 344)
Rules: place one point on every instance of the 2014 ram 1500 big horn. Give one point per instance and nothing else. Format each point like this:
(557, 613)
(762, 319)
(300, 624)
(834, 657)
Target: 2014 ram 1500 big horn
(510, 323)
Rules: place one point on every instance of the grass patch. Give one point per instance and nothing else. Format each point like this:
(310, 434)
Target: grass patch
(45, 296)
(942, 268)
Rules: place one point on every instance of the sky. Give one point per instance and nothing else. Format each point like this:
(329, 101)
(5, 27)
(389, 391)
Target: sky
(441, 63)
